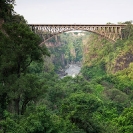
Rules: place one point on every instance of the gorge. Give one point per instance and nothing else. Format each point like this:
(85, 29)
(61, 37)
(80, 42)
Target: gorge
(33, 97)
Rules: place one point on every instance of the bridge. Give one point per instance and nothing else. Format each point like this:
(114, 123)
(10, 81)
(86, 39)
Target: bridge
(111, 32)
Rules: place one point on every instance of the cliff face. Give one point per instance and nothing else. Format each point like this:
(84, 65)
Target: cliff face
(53, 44)
(92, 49)
(115, 56)
(123, 61)
(65, 49)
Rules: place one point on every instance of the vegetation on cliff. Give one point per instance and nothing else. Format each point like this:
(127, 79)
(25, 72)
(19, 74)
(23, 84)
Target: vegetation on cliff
(66, 49)
(110, 66)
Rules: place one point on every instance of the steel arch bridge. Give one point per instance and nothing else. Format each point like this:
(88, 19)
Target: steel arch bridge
(111, 32)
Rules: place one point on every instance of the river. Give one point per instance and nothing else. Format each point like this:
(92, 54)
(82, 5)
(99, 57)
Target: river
(72, 70)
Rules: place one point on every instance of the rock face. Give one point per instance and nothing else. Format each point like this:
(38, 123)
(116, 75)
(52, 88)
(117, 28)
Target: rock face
(123, 61)
(113, 57)
(53, 44)
(55, 41)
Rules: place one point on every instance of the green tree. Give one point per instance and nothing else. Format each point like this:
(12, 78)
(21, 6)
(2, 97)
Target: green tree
(6, 10)
(128, 31)
(79, 108)
(125, 121)
(19, 47)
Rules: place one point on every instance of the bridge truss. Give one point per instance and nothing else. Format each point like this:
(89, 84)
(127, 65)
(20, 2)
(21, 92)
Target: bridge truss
(111, 32)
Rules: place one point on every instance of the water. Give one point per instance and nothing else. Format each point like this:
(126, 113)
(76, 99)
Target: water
(73, 70)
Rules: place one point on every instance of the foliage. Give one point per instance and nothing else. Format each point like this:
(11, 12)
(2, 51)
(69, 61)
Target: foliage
(34, 99)
(79, 109)
(6, 9)
(70, 50)
(19, 46)
(125, 121)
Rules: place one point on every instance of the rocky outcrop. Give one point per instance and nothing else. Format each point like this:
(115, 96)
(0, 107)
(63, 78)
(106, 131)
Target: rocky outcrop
(53, 44)
(123, 61)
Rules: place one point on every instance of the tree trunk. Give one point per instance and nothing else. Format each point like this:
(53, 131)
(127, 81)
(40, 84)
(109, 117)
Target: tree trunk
(16, 106)
(24, 106)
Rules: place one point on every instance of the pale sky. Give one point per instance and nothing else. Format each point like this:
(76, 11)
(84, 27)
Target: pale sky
(75, 11)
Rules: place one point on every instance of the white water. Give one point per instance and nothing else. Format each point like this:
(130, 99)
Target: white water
(73, 70)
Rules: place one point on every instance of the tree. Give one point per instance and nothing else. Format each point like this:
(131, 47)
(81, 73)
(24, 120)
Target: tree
(19, 46)
(39, 120)
(79, 108)
(125, 121)
(128, 31)
(6, 10)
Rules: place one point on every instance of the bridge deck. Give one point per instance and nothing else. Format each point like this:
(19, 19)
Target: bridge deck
(121, 25)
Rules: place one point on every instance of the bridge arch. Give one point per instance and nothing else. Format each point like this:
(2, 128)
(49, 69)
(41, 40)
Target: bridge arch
(45, 40)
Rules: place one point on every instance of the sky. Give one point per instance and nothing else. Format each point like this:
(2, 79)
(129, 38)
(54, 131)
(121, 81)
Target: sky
(75, 11)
